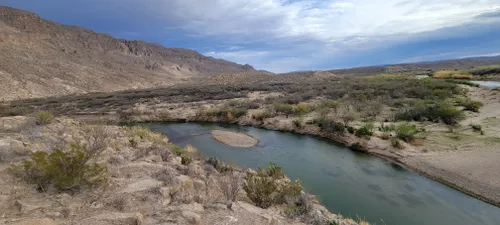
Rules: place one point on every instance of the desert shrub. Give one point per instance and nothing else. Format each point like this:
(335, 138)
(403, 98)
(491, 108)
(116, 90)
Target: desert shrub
(230, 185)
(261, 115)
(285, 109)
(357, 147)
(395, 143)
(270, 187)
(186, 159)
(385, 136)
(243, 103)
(477, 127)
(330, 104)
(238, 112)
(491, 70)
(351, 130)
(449, 74)
(365, 130)
(65, 171)
(273, 171)
(406, 132)
(176, 150)
(297, 122)
(329, 125)
(443, 111)
(44, 118)
(302, 206)
(469, 104)
(303, 108)
(219, 165)
(261, 190)
(388, 128)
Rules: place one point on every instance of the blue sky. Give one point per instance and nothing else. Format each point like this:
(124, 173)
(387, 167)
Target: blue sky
(288, 35)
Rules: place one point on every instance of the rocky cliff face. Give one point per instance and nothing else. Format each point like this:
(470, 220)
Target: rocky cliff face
(41, 58)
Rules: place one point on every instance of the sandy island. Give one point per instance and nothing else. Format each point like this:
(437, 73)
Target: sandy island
(234, 139)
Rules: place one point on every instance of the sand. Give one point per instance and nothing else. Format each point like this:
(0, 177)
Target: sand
(234, 139)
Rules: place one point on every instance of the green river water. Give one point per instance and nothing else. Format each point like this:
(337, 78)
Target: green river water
(346, 182)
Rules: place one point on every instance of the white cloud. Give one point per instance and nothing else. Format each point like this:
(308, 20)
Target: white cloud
(325, 20)
(303, 32)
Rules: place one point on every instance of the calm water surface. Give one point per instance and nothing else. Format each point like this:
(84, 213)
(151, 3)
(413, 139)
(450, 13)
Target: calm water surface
(345, 181)
(490, 84)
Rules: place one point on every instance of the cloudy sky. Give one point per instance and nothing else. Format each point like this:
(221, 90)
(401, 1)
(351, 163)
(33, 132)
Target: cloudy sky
(287, 35)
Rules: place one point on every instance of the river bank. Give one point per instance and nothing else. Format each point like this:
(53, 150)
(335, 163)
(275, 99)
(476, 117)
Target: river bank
(414, 158)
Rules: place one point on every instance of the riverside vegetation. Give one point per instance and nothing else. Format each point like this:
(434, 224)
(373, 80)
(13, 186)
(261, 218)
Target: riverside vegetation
(61, 171)
(395, 116)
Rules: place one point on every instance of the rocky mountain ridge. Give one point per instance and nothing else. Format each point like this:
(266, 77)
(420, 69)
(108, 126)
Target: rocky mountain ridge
(41, 58)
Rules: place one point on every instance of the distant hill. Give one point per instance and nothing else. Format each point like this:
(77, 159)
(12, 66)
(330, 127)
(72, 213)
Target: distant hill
(41, 58)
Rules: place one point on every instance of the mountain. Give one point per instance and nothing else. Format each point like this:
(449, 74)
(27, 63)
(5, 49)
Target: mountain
(41, 58)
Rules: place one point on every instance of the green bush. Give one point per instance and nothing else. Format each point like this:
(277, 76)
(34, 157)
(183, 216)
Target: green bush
(365, 130)
(219, 165)
(176, 150)
(395, 143)
(186, 158)
(406, 132)
(303, 109)
(44, 118)
(470, 105)
(238, 112)
(440, 111)
(261, 115)
(329, 125)
(269, 187)
(285, 109)
(385, 128)
(351, 130)
(477, 127)
(65, 171)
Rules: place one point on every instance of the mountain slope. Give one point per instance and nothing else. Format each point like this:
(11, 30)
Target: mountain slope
(41, 58)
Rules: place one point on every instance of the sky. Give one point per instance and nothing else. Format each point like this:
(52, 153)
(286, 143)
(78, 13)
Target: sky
(290, 35)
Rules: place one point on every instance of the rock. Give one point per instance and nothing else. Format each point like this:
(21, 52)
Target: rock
(24, 207)
(191, 217)
(54, 215)
(115, 218)
(96, 205)
(45, 221)
(64, 199)
(165, 192)
(142, 185)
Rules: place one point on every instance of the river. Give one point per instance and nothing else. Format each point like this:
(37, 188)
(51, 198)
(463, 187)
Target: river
(346, 182)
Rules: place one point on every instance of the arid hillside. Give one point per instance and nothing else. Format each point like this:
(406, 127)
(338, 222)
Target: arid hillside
(41, 58)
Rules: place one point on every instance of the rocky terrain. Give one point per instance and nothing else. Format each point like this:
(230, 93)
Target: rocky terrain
(148, 183)
(41, 58)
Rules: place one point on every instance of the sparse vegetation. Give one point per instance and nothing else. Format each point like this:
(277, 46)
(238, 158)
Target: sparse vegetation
(44, 118)
(406, 132)
(366, 130)
(441, 111)
(469, 104)
(64, 170)
(452, 74)
(269, 187)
